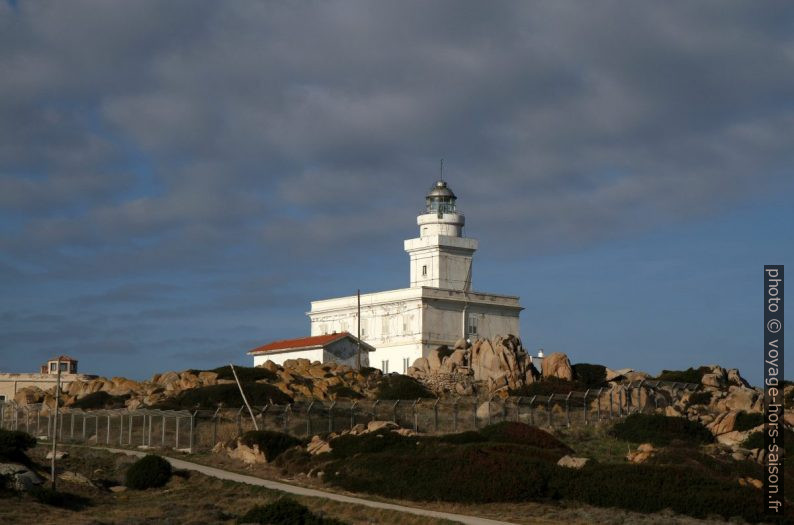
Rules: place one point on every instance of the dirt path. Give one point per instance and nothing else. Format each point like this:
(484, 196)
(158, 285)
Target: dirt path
(303, 491)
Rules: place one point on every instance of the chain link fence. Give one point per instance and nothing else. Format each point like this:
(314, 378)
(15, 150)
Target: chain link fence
(202, 429)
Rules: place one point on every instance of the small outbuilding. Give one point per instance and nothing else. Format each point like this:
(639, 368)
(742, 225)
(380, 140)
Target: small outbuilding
(337, 347)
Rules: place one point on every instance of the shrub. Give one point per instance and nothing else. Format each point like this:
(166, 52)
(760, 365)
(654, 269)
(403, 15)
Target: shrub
(461, 438)
(754, 440)
(227, 395)
(660, 430)
(45, 494)
(246, 374)
(700, 398)
(402, 387)
(746, 421)
(148, 472)
(100, 400)
(652, 488)
(548, 386)
(591, 376)
(285, 511)
(270, 443)
(370, 443)
(343, 391)
(522, 434)
(690, 375)
(469, 474)
(14, 443)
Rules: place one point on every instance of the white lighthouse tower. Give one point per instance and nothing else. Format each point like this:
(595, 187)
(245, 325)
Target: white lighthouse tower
(440, 305)
(441, 257)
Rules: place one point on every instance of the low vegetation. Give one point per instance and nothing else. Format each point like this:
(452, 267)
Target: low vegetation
(591, 376)
(246, 374)
(397, 386)
(227, 395)
(661, 430)
(548, 386)
(148, 472)
(100, 400)
(690, 375)
(284, 511)
(700, 398)
(14, 443)
(747, 421)
(270, 443)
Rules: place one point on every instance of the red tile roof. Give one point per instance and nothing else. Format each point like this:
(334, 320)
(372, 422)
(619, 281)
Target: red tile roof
(301, 342)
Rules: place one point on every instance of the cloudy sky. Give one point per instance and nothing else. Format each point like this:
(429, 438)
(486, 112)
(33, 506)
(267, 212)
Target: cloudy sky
(179, 179)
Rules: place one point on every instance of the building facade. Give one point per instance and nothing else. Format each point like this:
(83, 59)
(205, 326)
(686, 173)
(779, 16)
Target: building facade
(338, 347)
(438, 308)
(11, 383)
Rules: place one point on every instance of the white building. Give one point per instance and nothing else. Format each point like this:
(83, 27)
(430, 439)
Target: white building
(438, 308)
(339, 347)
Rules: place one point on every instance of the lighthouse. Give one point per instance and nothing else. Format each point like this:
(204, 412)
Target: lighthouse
(438, 307)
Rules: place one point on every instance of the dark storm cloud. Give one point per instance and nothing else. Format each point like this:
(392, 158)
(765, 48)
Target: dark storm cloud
(219, 143)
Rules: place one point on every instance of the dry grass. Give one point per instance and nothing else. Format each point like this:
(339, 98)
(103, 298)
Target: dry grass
(188, 498)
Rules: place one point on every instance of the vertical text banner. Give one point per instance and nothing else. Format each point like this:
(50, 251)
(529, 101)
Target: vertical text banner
(773, 389)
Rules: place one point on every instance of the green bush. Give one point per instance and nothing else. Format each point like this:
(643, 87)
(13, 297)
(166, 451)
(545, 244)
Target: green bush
(228, 395)
(148, 472)
(246, 374)
(372, 442)
(285, 511)
(522, 434)
(14, 443)
(660, 430)
(700, 398)
(270, 443)
(690, 375)
(471, 474)
(100, 400)
(754, 440)
(652, 488)
(746, 420)
(402, 387)
(591, 376)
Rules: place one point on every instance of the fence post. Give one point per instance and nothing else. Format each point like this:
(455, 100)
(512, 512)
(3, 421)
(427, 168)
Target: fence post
(532, 410)
(584, 405)
(162, 438)
(375, 409)
(611, 401)
(129, 432)
(331, 416)
(176, 438)
(353, 414)
(150, 431)
(3, 415)
(620, 402)
(215, 426)
(455, 415)
(394, 410)
(435, 415)
(475, 413)
(568, 409)
(548, 409)
(640, 407)
(309, 419)
(518, 409)
(490, 399)
(416, 418)
(107, 436)
(598, 404)
(192, 425)
(287, 410)
(121, 429)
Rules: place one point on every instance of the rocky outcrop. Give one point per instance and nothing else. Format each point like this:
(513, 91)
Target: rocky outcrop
(19, 477)
(572, 462)
(557, 365)
(499, 364)
(641, 455)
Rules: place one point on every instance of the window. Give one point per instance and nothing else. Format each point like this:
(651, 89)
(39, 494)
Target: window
(53, 367)
(2, 397)
(472, 325)
(424, 270)
(384, 366)
(64, 367)
(406, 364)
